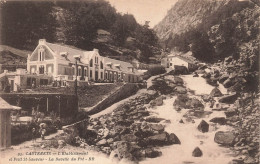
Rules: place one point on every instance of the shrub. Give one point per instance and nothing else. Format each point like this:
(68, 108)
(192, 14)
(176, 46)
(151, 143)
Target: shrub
(71, 136)
(155, 70)
(21, 133)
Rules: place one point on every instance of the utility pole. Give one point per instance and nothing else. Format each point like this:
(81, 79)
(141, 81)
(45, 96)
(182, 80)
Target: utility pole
(76, 80)
(76, 57)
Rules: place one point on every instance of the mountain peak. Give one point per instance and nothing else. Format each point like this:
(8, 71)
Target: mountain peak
(184, 15)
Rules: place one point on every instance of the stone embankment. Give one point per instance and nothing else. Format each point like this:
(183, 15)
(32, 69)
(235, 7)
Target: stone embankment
(241, 81)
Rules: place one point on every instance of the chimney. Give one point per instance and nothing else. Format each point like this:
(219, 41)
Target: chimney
(42, 41)
(95, 50)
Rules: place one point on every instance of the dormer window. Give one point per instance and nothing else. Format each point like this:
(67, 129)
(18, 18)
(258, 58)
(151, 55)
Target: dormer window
(118, 66)
(64, 54)
(109, 64)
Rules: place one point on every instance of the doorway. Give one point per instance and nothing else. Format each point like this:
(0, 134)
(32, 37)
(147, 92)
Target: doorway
(96, 75)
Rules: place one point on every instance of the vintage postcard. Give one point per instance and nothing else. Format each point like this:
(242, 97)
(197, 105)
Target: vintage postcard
(129, 81)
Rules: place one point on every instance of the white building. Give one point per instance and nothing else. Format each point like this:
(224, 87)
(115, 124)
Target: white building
(172, 61)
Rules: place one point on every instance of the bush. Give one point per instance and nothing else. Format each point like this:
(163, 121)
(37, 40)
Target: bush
(21, 133)
(71, 138)
(155, 70)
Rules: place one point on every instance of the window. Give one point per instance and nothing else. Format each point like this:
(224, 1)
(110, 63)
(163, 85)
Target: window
(106, 76)
(79, 71)
(170, 64)
(85, 72)
(101, 75)
(41, 70)
(32, 70)
(49, 69)
(91, 63)
(101, 64)
(41, 56)
(90, 73)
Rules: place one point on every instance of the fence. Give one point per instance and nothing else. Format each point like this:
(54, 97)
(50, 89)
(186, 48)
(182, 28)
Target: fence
(60, 104)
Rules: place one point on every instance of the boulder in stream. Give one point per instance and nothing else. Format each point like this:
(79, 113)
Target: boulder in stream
(173, 139)
(157, 102)
(180, 90)
(203, 126)
(158, 139)
(219, 120)
(225, 138)
(178, 80)
(229, 99)
(152, 153)
(230, 112)
(215, 92)
(153, 119)
(197, 152)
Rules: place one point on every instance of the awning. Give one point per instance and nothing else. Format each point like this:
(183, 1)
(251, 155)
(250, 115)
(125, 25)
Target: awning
(6, 106)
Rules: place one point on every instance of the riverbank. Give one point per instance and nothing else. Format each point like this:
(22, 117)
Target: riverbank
(178, 119)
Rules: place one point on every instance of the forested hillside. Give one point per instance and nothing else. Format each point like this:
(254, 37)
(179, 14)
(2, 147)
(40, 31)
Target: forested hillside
(76, 24)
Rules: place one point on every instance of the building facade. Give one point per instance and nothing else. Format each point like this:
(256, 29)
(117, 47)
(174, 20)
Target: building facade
(59, 62)
(171, 61)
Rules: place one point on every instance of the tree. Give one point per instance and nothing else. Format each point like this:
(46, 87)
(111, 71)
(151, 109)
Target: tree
(201, 47)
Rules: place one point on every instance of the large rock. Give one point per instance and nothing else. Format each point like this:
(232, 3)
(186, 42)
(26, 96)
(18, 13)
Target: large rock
(228, 83)
(206, 75)
(195, 103)
(197, 152)
(157, 127)
(225, 138)
(215, 92)
(181, 101)
(122, 149)
(173, 139)
(178, 80)
(223, 77)
(212, 81)
(153, 119)
(158, 139)
(101, 142)
(230, 112)
(229, 99)
(151, 153)
(157, 102)
(250, 160)
(219, 120)
(180, 89)
(129, 138)
(203, 126)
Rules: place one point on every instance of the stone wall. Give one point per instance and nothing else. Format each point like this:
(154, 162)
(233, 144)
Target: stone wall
(123, 92)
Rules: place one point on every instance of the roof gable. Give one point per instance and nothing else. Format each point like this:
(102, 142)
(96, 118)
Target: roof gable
(48, 54)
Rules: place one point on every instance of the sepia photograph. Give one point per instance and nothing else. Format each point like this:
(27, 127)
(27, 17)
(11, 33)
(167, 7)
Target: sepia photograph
(129, 81)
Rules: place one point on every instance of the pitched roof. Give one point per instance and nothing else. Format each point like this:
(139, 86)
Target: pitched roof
(6, 106)
(186, 59)
(123, 65)
(69, 49)
(184, 56)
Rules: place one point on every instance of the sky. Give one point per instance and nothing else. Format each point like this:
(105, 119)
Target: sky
(144, 10)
